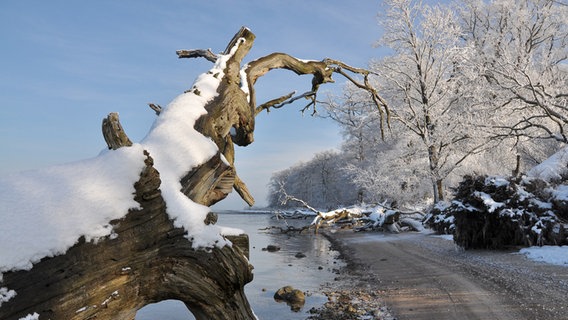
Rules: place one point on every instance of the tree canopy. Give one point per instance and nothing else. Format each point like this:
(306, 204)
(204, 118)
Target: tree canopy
(471, 87)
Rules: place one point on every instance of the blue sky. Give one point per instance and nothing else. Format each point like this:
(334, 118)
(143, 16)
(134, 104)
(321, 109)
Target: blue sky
(64, 65)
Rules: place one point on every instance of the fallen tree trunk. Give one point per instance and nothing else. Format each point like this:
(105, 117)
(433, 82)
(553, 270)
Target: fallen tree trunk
(151, 254)
(150, 260)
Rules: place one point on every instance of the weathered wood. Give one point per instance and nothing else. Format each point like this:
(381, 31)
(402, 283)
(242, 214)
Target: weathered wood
(209, 182)
(233, 109)
(157, 108)
(113, 133)
(243, 191)
(197, 53)
(148, 261)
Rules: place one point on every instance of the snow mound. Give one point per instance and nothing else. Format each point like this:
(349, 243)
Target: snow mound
(492, 212)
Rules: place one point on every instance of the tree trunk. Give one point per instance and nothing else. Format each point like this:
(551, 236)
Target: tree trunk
(437, 182)
(149, 259)
(440, 189)
(148, 262)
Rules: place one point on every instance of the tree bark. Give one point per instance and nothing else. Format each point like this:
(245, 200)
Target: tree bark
(149, 261)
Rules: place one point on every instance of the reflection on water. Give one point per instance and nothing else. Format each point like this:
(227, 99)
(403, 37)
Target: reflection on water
(165, 310)
(272, 270)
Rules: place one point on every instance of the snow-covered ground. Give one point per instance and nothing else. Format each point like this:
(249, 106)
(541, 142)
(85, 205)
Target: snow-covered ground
(557, 255)
(548, 254)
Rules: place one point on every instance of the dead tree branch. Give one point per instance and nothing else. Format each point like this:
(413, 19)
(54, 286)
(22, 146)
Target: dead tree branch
(152, 258)
(113, 133)
(157, 108)
(198, 53)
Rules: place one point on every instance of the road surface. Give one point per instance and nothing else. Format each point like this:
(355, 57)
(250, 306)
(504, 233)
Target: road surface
(422, 276)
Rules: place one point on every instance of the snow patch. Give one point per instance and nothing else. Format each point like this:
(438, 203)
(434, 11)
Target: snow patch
(46, 211)
(415, 224)
(34, 316)
(449, 237)
(496, 181)
(244, 81)
(557, 255)
(467, 207)
(228, 231)
(560, 193)
(6, 295)
(491, 204)
(552, 168)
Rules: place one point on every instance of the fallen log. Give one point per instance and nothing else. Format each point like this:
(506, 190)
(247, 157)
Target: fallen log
(150, 260)
(166, 245)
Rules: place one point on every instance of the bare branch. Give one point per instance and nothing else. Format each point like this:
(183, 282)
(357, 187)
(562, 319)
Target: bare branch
(274, 103)
(322, 73)
(156, 107)
(243, 190)
(287, 197)
(197, 53)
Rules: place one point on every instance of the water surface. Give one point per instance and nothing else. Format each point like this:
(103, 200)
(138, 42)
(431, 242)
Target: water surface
(272, 270)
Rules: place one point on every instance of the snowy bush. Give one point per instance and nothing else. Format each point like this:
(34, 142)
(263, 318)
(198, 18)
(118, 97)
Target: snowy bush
(494, 212)
(440, 220)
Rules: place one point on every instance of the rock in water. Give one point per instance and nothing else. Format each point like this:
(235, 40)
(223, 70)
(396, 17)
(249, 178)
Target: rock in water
(272, 248)
(293, 297)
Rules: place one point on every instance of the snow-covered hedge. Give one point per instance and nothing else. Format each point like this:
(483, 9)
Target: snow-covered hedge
(494, 212)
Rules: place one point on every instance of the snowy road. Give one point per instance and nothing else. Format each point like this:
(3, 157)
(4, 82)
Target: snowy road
(427, 277)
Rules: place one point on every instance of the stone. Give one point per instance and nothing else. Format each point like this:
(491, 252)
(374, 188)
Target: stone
(293, 297)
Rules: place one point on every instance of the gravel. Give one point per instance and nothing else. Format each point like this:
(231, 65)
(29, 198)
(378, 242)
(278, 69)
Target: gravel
(423, 276)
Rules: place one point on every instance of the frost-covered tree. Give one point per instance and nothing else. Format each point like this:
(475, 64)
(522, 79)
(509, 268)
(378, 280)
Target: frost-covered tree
(423, 83)
(382, 169)
(475, 88)
(321, 182)
(395, 172)
(360, 124)
(521, 58)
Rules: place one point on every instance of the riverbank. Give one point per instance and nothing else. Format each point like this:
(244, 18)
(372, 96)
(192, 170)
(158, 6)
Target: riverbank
(423, 276)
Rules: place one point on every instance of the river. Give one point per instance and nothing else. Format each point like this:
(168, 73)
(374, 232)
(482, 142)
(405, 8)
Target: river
(272, 270)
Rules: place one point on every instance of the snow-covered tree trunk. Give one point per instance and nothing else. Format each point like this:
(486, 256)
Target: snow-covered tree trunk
(150, 260)
(168, 246)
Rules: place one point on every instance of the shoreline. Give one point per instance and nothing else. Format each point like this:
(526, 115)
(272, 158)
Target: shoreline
(354, 293)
